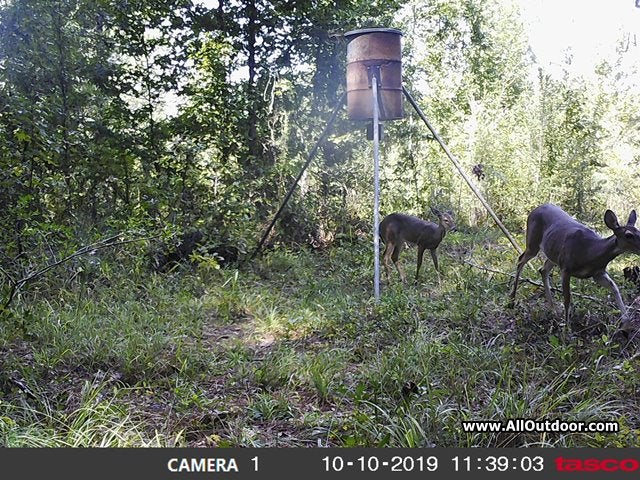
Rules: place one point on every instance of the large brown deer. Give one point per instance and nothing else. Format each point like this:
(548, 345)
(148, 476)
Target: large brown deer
(576, 249)
(398, 228)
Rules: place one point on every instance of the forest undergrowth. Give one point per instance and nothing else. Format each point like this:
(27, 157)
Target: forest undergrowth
(291, 350)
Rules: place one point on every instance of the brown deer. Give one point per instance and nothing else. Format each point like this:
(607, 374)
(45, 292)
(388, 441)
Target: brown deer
(398, 228)
(576, 249)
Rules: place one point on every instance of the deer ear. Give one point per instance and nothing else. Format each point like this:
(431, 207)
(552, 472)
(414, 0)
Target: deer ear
(611, 220)
(435, 211)
(632, 219)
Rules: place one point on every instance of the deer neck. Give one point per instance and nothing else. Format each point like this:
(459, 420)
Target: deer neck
(604, 251)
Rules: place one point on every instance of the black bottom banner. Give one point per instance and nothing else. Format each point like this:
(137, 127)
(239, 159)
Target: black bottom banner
(329, 463)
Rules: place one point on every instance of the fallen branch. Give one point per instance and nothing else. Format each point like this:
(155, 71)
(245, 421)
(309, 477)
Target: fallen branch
(110, 242)
(527, 280)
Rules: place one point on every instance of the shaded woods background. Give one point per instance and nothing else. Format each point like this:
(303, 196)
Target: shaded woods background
(166, 116)
(136, 135)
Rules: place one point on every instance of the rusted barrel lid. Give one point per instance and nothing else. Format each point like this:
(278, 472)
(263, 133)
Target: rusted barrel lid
(363, 31)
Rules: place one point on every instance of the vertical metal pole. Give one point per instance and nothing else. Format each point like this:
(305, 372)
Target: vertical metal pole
(376, 191)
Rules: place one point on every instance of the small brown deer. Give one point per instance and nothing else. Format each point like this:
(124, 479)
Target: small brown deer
(576, 249)
(398, 228)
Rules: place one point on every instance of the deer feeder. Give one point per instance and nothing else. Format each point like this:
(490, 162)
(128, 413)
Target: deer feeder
(374, 52)
(374, 93)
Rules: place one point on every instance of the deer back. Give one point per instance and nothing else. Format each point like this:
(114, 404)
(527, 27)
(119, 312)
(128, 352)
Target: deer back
(399, 227)
(575, 247)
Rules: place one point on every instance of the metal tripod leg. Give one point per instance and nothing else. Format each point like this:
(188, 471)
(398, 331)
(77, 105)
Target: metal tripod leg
(310, 156)
(462, 173)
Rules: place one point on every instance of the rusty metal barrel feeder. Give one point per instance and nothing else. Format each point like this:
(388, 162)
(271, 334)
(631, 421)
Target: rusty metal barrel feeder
(374, 51)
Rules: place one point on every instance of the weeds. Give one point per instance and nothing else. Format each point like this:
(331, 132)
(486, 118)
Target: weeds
(292, 351)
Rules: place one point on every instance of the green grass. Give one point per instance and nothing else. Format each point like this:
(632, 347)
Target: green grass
(293, 351)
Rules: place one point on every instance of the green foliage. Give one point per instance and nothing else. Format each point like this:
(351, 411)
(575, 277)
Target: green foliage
(95, 422)
(537, 138)
(169, 114)
(283, 354)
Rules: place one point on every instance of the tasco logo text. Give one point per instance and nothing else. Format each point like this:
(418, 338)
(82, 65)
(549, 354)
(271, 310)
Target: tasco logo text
(597, 464)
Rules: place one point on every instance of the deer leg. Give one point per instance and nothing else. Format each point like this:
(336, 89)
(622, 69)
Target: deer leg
(419, 261)
(605, 280)
(566, 293)
(522, 261)
(395, 256)
(545, 271)
(434, 257)
(388, 248)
